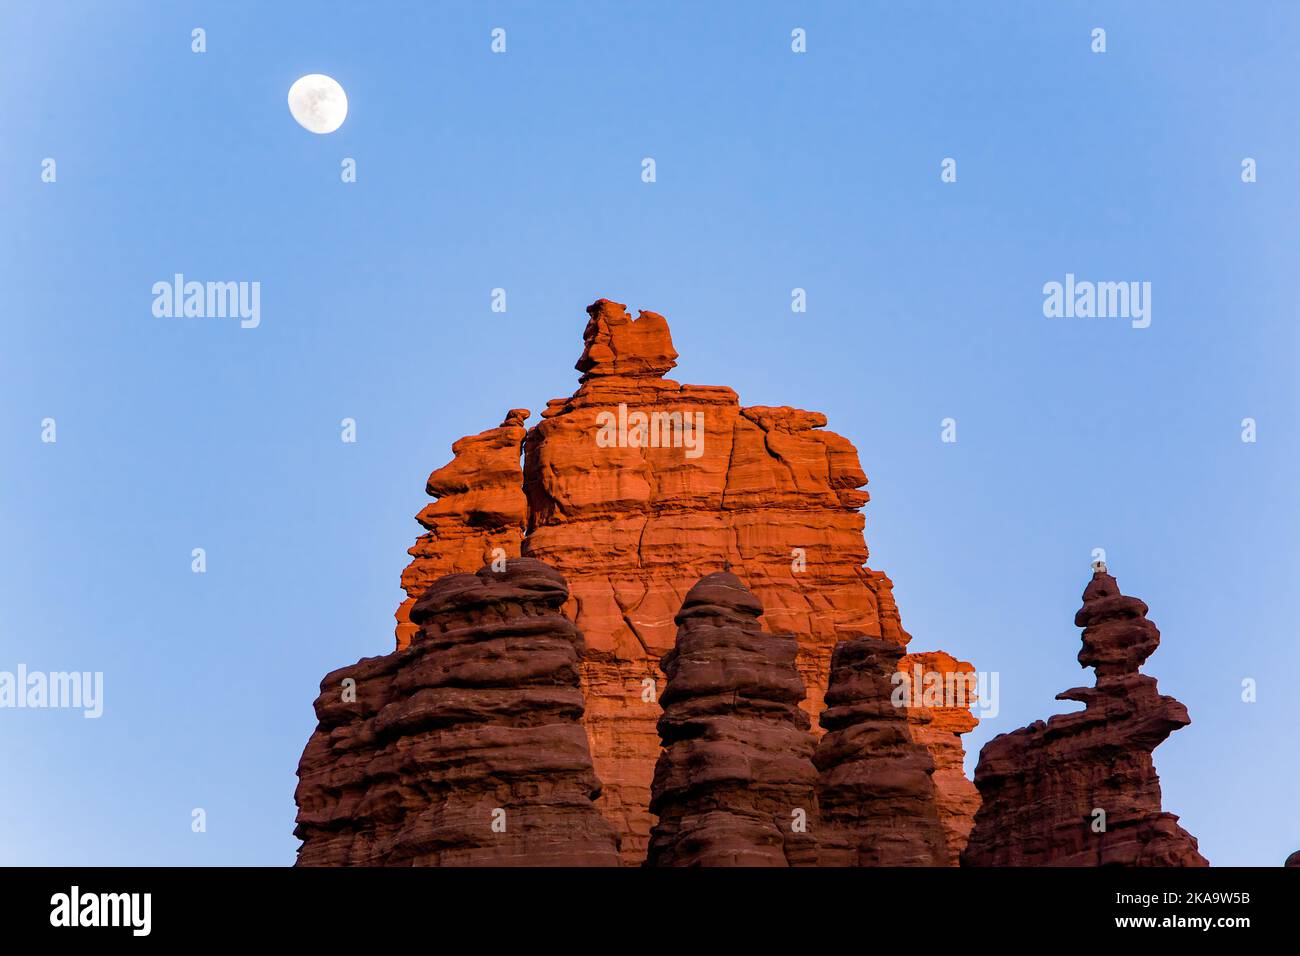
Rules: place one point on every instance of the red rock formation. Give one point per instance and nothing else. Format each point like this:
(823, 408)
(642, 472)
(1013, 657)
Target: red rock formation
(938, 728)
(1043, 785)
(734, 785)
(480, 508)
(876, 791)
(1293, 859)
(633, 512)
(466, 747)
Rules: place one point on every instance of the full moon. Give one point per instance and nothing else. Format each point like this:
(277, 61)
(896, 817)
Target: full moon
(318, 103)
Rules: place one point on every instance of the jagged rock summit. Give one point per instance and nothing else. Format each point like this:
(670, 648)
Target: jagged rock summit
(1081, 789)
(735, 783)
(617, 344)
(635, 487)
(480, 510)
(465, 748)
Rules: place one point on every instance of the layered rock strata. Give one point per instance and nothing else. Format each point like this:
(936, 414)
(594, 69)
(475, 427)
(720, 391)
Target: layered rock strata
(1081, 789)
(479, 514)
(938, 725)
(876, 790)
(734, 785)
(466, 747)
(636, 486)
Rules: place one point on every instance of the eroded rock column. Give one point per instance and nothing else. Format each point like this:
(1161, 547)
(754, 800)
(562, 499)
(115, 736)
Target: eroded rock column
(464, 749)
(1081, 789)
(876, 792)
(734, 785)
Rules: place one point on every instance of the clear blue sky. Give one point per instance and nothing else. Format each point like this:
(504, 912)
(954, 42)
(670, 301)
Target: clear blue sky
(522, 171)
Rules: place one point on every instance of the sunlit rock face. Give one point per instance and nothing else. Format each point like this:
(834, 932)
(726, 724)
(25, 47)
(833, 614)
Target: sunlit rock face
(479, 514)
(635, 487)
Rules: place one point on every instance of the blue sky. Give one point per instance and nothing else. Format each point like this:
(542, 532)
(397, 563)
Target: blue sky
(522, 171)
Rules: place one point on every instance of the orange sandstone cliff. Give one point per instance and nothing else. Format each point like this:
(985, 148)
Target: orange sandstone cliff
(636, 487)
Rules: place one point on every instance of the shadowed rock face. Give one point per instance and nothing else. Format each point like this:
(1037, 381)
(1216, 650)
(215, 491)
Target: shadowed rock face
(466, 747)
(734, 785)
(876, 792)
(1042, 785)
(1293, 859)
(634, 525)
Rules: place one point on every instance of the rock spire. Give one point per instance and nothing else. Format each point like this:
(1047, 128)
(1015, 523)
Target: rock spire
(1081, 789)
(734, 785)
(466, 747)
